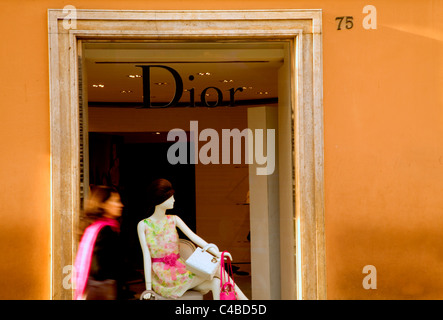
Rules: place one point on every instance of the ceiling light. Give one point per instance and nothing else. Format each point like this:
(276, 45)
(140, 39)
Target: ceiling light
(126, 91)
(161, 83)
(262, 92)
(98, 85)
(133, 76)
(204, 73)
(244, 88)
(226, 81)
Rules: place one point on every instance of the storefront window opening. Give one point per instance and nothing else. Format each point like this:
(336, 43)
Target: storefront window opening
(206, 91)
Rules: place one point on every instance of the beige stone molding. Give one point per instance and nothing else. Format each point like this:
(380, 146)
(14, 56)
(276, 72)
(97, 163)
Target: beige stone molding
(303, 28)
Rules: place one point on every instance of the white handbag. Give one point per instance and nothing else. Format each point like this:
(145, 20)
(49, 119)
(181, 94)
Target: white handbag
(202, 263)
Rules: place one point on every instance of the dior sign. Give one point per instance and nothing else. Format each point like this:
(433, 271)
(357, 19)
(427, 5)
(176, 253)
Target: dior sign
(178, 92)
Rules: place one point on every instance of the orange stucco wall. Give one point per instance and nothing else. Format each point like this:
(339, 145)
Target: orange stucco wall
(383, 115)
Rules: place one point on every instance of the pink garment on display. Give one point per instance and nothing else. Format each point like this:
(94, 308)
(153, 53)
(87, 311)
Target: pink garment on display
(169, 278)
(84, 254)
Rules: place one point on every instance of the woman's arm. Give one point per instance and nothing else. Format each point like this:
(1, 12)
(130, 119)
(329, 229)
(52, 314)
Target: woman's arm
(195, 238)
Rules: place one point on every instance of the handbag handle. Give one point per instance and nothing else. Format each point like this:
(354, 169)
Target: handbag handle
(222, 270)
(210, 245)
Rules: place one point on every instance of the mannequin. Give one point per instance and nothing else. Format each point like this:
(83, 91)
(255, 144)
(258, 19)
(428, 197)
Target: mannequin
(159, 217)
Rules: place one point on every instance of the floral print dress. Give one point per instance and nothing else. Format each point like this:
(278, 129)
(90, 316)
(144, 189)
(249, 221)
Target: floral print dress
(169, 275)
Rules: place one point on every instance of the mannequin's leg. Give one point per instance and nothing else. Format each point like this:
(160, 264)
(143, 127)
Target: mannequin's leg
(196, 284)
(210, 285)
(213, 285)
(240, 294)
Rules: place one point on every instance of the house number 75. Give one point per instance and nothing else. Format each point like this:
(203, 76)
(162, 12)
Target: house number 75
(348, 22)
(369, 20)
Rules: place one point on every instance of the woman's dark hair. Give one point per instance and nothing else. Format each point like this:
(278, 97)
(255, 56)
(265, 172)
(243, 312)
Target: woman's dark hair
(159, 191)
(94, 206)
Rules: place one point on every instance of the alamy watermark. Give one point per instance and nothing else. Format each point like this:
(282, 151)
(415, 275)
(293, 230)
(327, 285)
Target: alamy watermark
(370, 281)
(209, 153)
(70, 20)
(68, 282)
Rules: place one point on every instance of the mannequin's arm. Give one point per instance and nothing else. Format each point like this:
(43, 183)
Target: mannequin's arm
(146, 254)
(195, 238)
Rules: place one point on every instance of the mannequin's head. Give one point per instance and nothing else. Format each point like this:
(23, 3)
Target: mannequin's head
(167, 204)
(161, 193)
(104, 202)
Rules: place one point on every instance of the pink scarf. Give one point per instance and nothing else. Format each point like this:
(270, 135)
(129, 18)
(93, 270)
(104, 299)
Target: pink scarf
(84, 254)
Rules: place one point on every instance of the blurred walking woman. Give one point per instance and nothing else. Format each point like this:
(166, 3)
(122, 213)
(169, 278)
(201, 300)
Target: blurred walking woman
(98, 261)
